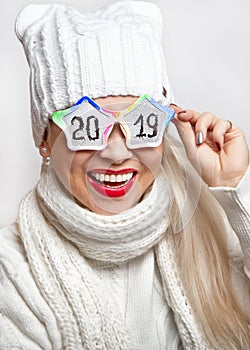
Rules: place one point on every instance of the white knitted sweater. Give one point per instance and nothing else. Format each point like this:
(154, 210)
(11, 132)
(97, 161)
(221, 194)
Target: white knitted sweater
(28, 322)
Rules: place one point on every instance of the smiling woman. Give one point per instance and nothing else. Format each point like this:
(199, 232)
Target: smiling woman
(113, 179)
(130, 240)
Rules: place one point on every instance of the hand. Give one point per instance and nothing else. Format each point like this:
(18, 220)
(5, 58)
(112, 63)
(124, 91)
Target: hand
(216, 148)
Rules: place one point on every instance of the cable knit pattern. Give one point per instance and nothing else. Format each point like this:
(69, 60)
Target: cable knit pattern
(58, 300)
(174, 292)
(74, 293)
(84, 311)
(132, 233)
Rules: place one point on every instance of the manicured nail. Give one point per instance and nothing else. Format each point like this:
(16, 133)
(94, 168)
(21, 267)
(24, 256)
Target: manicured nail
(173, 104)
(199, 138)
(182, 112)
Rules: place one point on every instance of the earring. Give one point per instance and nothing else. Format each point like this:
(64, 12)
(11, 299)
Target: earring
(45, 161)
(44, 150)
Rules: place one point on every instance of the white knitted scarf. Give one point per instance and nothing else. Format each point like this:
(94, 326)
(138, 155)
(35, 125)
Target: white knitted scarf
(59, 236)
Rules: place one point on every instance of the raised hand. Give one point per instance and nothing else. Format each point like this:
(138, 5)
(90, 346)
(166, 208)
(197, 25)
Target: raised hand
(216, 147)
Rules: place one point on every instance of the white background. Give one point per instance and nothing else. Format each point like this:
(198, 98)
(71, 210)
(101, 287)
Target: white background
(207, 47)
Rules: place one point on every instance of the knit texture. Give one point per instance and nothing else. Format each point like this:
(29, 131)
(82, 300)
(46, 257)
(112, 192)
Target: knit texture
(132, 233)
(237, 207)
(86, 314)
(28, 320)
(113, 51)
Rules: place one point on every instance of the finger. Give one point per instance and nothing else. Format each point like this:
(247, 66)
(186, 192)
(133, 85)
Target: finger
(230, 126)
(205, 122)
(221, 127)
(188, 115)
(185, 122)
(185, 115)
(186, 133)
(177, 109)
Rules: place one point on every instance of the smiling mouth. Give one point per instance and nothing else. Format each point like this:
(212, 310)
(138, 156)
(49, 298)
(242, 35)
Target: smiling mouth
(112, 183)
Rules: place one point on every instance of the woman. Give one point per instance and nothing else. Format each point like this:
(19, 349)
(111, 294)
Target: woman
(121, 244)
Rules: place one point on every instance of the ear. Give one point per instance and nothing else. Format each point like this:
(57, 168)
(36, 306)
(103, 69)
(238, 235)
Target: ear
(44, 149)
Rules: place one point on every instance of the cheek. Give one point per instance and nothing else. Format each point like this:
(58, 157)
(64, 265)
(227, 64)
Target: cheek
(68, 165)
(151, 158)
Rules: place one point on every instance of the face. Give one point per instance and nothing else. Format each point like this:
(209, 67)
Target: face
(108, 181)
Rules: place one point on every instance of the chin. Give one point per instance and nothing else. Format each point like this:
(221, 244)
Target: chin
(104, 204)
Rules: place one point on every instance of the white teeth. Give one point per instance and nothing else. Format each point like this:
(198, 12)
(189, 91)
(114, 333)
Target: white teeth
(119, 178)
(112, 178)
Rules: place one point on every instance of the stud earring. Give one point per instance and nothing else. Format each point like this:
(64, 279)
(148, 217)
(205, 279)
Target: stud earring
(44, 150)
(45, 160)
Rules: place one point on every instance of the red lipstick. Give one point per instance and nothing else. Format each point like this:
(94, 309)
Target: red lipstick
(112, 183)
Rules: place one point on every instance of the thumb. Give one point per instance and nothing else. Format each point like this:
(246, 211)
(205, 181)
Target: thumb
(176, 108)
(185, 130)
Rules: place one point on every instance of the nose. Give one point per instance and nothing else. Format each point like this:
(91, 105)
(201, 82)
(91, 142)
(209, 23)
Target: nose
(116, 150)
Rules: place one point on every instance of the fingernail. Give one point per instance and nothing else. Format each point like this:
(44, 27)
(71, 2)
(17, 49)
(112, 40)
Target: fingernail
(173, 104)
(199, 138)
(182, 112)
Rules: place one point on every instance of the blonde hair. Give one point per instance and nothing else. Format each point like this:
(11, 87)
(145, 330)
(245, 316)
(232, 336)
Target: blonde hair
(202, 256)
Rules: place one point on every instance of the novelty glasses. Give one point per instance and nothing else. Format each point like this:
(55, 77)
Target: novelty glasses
(87, 125)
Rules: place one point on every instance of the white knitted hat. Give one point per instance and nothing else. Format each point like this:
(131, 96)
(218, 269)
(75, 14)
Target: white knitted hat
(113, 51)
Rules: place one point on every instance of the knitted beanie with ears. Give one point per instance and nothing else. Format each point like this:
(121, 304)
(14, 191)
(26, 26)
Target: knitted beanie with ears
(115, 50)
